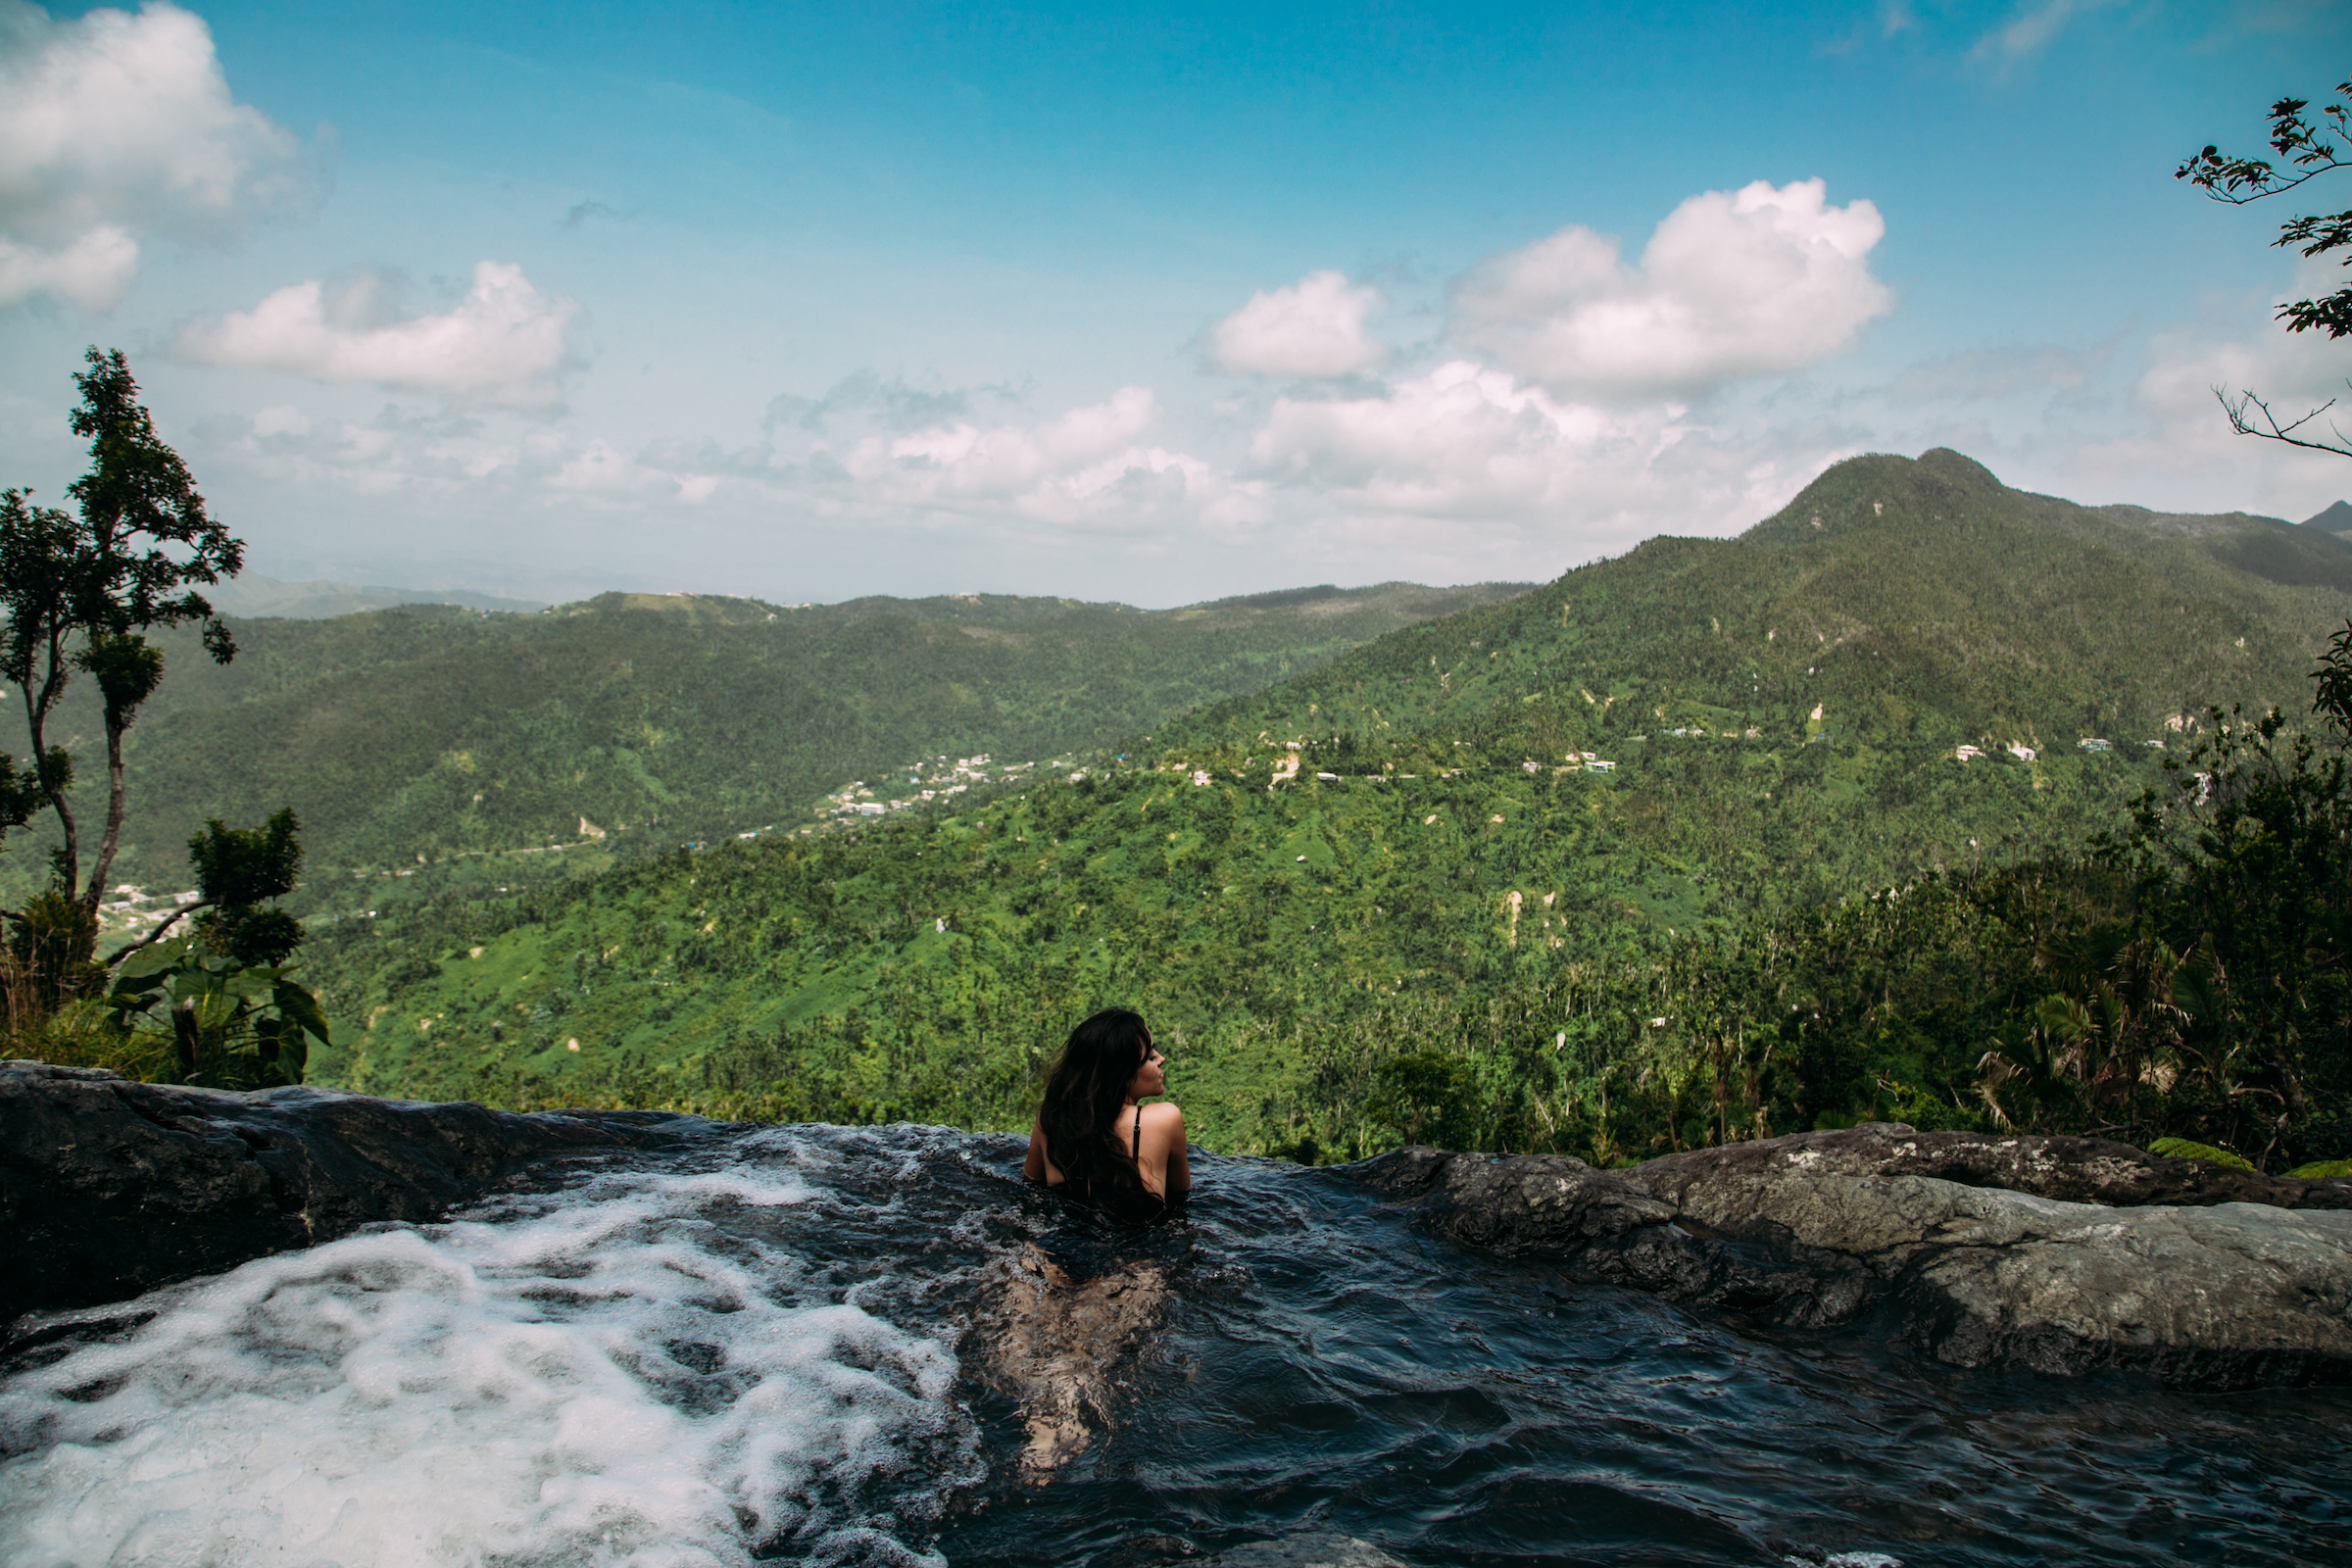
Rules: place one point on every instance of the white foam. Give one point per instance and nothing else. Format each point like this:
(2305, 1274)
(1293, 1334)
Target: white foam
(492, 1392)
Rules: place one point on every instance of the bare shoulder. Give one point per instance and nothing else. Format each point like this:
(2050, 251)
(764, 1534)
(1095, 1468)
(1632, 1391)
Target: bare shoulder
(1163, 1113)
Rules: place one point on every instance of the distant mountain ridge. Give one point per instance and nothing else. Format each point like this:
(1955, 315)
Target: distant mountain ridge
(1911, 667)
(410, 734)
(1918, 599)
(2336, 519)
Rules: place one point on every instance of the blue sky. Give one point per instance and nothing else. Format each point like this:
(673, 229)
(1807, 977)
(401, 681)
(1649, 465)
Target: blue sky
(1125, 303)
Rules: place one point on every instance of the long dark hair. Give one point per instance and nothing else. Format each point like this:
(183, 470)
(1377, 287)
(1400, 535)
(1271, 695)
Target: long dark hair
(1084, 1095)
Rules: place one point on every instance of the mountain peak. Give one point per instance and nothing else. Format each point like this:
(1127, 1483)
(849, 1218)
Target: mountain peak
(2336, 519)
(1875, 485)
(1958, 470)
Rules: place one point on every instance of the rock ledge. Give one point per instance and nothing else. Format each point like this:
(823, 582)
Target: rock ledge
(108, 1188)
(2058, 1253)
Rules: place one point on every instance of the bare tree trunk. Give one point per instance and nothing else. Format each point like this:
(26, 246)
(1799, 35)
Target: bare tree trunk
(96, 892)
(36, 720)
(157, 934)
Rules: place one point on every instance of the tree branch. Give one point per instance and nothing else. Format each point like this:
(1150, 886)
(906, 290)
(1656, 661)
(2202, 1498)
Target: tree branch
(2243, 423)
(156, 935)
(2255, 187)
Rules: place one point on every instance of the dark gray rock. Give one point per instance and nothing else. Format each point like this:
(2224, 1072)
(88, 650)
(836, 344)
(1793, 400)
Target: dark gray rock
(1538, 1205)
(2059, 1254)
(108, 1188)
(2075, 1170)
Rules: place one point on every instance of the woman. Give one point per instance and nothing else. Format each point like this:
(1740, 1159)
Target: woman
(1092, 1139)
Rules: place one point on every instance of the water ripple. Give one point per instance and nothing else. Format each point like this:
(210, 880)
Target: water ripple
(833, 1345)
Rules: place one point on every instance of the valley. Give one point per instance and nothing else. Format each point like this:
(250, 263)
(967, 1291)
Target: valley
(1799, 807)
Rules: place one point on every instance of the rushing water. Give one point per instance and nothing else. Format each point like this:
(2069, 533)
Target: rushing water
(841, 1345)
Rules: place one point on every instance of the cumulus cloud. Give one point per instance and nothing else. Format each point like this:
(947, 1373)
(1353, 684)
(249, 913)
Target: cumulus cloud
(1312, 329)
(504, 343)
(1462, 440)
(1090, 468)
(93, 270)
(1477, 446)
(1732, 284)
(114, 127)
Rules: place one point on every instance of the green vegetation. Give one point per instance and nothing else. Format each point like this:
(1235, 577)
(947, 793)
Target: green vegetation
(454, 741)
(85, 592)
(1716, 840)
(2184, 1148)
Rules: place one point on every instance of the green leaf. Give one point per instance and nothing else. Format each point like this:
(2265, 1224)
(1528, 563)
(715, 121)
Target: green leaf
(303, 1007)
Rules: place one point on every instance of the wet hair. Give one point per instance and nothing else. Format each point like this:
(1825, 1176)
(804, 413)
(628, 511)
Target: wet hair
(1085, 1091)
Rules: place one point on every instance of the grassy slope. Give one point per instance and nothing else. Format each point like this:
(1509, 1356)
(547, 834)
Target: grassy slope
(422, 733)
(922, 966)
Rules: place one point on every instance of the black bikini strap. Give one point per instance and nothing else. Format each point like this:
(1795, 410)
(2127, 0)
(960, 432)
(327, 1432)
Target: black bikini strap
(1138, 1155)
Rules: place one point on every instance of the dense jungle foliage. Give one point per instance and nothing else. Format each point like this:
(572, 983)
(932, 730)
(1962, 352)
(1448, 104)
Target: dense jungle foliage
(414, 736)
(1924, 800)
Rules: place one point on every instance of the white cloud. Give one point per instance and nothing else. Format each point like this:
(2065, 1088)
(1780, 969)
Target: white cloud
(1474, 445)
(93, 270)
(444, 456)
(2184, 454)
(504, 343)
(114, 125)
(1462, 440)
(1732, 284)
(1313, 329)
(602, 469)
(1090, 468)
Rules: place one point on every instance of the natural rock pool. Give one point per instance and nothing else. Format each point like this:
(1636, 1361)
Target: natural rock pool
(838, 1346)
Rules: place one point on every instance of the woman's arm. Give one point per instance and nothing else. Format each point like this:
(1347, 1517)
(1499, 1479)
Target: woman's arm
(1180, 1166)
(1033, 1167)
(1163, 1149)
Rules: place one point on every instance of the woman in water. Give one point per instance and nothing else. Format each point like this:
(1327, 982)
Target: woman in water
(1056, 1343)
(1092, 1140)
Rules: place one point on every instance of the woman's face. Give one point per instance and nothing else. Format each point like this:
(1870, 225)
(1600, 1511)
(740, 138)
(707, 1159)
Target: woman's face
(1150, 1080)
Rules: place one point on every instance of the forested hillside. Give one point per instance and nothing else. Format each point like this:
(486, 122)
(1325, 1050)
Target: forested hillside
(1623, 830)
(409, 736)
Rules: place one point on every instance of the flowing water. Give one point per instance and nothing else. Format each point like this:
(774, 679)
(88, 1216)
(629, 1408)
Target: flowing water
(876, 1346)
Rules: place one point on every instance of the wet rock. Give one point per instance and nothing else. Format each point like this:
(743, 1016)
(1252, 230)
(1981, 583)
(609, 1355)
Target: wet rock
(2075, 1170)
(2058, 1253)
(1535, 1203)
(108, 1188)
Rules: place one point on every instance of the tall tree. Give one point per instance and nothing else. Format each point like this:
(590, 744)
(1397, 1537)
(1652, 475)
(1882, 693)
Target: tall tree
(2310, 146)
(80, 590)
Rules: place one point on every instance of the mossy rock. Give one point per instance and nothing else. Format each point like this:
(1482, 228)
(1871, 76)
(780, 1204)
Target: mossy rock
(2321, 1170)
(2182, 1148)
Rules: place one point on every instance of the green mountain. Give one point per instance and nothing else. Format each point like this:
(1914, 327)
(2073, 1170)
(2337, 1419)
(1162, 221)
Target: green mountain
(1504, 822)
(451, 738)
(2336, 519)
